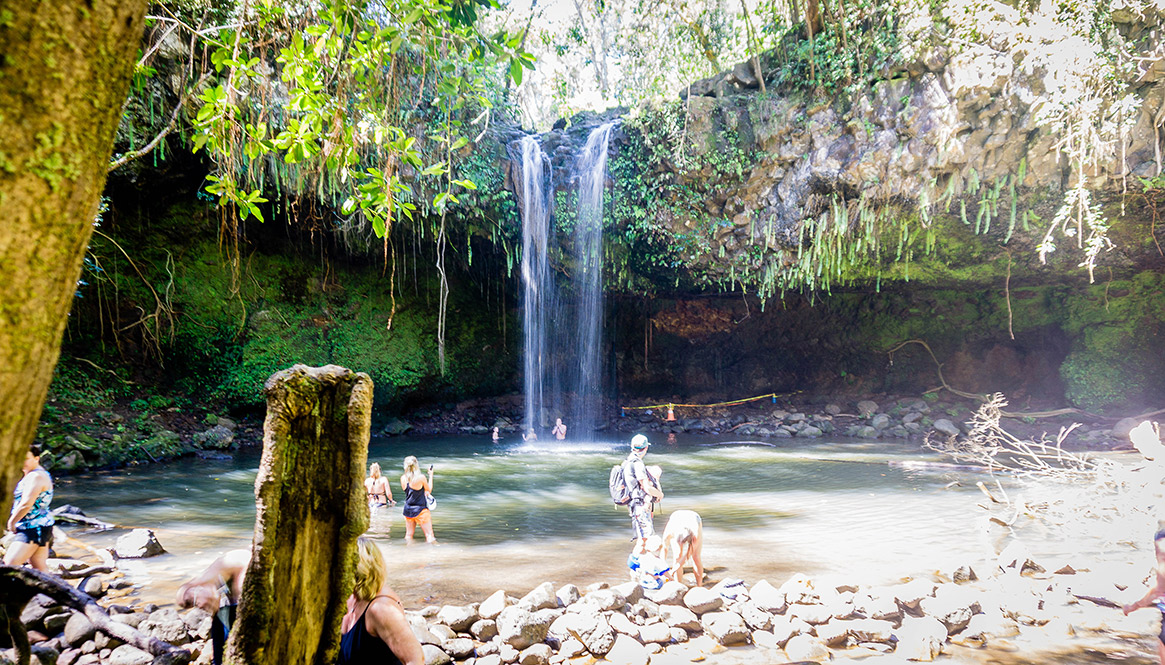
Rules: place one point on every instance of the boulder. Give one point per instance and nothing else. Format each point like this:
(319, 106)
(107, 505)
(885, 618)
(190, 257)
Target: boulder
(537, 654)
(799, 589)
(79, 630)
(166, 625)
(834, 633)
(755, 617)
(215, 438)
(628, 651)
(657, 633)
(807, 648)
(483, 630)
(567, 595)
(603, 600)
(726, 628)
(129, 655)
(1122, 428)
(678, 616)
(541, 598)
(880, 421)
(520, 628)
(701, 600)
(458, 617)
(459, 648)
(594, 632)
(395, 427)
(55, 623)
(434, 655)
(871, 630)
(878, 604)
(137, 544)
(766, 597)
(809, 432)
(813, 615)
(491, 607)
(571, 648)
(34, 612)
(443, 633)
(920, 639)
(946, 427)
(784, 627)
(671, 593)
(92, 586)
(866, 408)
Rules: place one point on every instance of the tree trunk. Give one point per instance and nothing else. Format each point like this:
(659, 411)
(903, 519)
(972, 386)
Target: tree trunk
(64, 74)
(311, 507)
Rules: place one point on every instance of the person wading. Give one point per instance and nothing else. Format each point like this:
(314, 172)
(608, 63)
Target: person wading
(644, 491)
(31, 520)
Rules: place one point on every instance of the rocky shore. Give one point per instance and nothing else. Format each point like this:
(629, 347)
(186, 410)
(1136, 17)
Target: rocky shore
(799, 619)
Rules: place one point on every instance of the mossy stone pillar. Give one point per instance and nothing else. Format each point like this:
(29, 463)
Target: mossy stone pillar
(310, 509)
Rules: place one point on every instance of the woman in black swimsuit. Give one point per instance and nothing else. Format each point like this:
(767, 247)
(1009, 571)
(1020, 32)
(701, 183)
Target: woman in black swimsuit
(375, 629)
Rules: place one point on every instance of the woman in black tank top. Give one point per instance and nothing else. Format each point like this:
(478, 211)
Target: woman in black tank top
(375, 629)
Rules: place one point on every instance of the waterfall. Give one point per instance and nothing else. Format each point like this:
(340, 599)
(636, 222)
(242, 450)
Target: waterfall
(591, 168)
(562, 337)
(538, 296)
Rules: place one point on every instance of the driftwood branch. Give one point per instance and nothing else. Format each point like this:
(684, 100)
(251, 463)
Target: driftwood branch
(84, 572)
(19, 585)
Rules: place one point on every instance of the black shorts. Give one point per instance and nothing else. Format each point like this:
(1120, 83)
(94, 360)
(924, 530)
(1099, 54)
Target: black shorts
(41, 536)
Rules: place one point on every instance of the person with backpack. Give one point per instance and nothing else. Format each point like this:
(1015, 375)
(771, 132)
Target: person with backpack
(642, 491)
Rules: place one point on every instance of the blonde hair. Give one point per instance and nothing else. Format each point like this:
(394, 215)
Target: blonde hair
(411, 466)
(370, 569)
(374, 470)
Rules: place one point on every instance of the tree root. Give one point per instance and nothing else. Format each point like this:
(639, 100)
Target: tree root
(19, 585)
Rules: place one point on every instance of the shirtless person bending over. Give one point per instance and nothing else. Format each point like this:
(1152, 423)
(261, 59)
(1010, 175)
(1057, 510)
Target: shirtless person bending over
(218, 590)
(1156, 594)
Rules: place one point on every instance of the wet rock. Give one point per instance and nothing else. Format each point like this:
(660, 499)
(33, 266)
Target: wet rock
(807, 648)
(866, 432)
(55, 623)
(137, 544)
(395, 427)
(491, 607)
(435, 655)
(701, 600)
(809, 432)
(727, 628)
(215, 438)
(458, 617)
(92, 586)
(920, 639)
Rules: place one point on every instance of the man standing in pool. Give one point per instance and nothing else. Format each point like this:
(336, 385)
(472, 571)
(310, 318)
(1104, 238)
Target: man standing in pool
(1156, 593)
(644, 488)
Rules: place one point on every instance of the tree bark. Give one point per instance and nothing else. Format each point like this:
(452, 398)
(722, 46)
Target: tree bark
(311, 507)
(64, 74)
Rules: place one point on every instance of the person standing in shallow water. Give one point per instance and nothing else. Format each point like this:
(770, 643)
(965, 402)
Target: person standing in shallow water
(31, 520)
(1156, 593)
(530, 436)
(416, 511)
(644, 491)
(379, 491)
(496, 437)
(559, 430)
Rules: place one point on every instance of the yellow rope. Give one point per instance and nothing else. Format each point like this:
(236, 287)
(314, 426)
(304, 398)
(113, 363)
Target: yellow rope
(671, 405)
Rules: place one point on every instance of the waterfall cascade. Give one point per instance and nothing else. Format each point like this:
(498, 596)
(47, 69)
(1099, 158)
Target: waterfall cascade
(562, 328)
